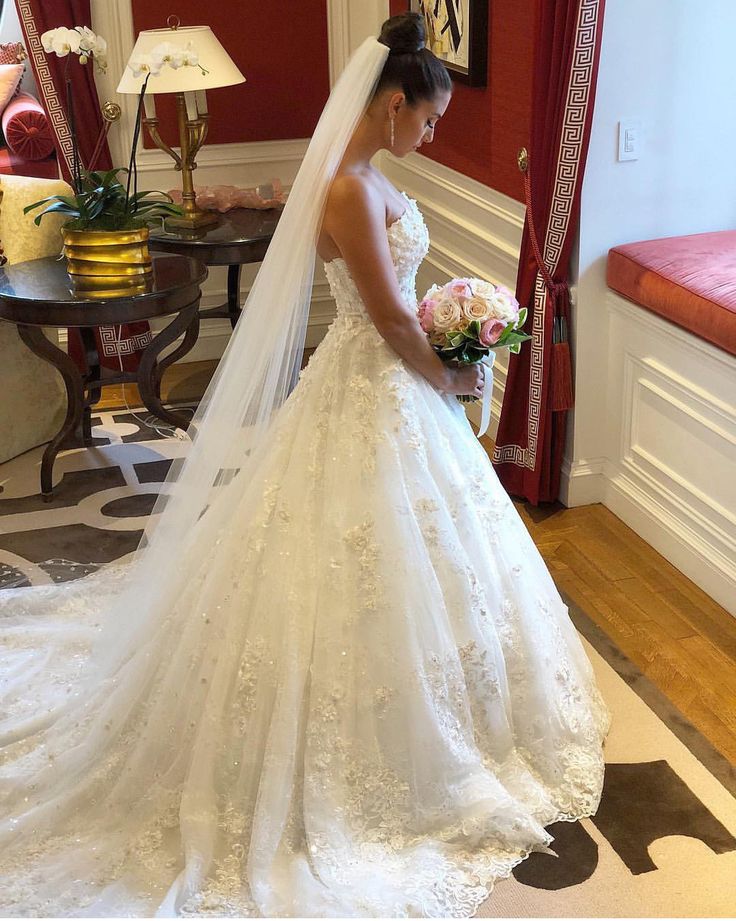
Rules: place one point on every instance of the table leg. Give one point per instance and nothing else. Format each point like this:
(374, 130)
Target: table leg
(92, 358)
(38, 343)
(233, 292)
(150, 369)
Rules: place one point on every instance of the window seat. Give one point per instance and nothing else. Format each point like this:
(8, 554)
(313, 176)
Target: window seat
(689, 280)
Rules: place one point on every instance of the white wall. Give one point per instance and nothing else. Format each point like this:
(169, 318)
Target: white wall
(672, 64)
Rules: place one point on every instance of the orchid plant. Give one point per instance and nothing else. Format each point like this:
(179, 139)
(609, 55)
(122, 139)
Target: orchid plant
(100, 200)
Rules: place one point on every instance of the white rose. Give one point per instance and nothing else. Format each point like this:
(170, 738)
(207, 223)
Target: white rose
(476, 308)
(448, 315)
(482, 288)
(501, 307)
(435, 289)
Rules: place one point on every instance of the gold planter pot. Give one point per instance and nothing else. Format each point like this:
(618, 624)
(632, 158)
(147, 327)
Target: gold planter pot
(107, 260)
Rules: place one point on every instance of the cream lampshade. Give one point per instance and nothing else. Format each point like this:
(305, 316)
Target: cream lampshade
(189, 83)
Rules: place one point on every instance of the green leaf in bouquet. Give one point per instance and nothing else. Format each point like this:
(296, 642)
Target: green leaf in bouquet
(522, 317)
(515, 348)
(448, 354)
(456, 339)
(513, 337)
(475, 354)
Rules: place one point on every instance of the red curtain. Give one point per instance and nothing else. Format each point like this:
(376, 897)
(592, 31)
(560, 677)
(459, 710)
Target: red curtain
(36, 17)
(531, 434)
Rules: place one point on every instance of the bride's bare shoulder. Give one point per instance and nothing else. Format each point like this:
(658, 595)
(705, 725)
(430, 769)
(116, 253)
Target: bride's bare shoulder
(352, 194)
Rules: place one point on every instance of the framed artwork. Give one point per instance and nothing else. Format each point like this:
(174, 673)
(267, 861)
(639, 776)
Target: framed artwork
(457, 32)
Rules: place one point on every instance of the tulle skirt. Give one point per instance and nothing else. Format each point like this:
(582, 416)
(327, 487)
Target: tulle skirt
(366, 699)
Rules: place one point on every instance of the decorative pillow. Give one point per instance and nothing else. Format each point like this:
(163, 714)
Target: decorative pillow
(10, 75)
(13, 53)
(26, 128)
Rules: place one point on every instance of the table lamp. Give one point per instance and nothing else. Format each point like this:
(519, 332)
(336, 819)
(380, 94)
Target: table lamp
(189, 84)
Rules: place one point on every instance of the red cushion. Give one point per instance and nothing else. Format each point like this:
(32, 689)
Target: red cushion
(16, 166)
(26, 128)
(689, 280)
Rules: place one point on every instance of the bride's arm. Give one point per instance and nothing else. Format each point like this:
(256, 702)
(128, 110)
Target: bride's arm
(355, 219)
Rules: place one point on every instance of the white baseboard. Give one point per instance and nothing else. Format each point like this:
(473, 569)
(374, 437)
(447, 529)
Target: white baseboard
(583, 482)
(675, 537)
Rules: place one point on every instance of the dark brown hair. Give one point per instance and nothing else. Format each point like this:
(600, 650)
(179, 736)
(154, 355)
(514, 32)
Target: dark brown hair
(410, 65)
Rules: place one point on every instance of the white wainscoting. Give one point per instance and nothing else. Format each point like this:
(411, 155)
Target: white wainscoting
(670, 471)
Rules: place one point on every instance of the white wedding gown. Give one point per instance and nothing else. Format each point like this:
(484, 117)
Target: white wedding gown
(371, 699)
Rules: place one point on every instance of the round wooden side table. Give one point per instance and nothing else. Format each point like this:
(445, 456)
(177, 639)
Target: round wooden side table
(240, 236)
(41, 293)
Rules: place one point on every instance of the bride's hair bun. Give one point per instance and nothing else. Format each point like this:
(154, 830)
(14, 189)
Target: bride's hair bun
(404, 33)
(411, 66)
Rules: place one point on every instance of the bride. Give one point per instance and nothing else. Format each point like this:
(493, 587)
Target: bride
(336, 679)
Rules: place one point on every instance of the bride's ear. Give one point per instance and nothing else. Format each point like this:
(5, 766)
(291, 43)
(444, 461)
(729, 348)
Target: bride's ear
(395, 102)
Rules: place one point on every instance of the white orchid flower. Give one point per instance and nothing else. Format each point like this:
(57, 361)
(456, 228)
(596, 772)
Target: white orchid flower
(87, 37)
(191, 57)
(140, 65)
(100, 48)
(47, 40)
(168, 53)
(61, 41)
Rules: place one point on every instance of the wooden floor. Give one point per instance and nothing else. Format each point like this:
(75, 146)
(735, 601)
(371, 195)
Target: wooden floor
(676, 635)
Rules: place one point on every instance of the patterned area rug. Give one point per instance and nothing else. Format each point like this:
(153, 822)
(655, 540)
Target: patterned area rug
(663, 842)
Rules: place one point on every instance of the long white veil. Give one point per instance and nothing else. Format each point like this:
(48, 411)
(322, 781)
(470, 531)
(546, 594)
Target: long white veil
(257, 372)
(94, 758)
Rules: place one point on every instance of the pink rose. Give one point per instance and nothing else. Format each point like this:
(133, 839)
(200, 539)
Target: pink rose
(458, 289)
(490, 332)
(426, 315)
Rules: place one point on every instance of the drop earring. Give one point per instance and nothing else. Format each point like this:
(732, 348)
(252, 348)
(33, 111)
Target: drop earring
(393, 138)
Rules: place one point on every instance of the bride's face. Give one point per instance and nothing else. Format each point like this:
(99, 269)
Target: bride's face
(414, 125)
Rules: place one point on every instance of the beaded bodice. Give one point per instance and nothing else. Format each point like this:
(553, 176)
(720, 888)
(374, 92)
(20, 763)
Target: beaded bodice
(409, 243)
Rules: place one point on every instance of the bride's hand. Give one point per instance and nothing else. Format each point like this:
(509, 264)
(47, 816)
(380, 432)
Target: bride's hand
(465, 379)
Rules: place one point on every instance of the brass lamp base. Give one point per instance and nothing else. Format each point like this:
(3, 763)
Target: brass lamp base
(192, 133)
(191, 221)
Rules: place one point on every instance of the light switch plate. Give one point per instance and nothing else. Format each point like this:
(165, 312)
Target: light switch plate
(629, 138)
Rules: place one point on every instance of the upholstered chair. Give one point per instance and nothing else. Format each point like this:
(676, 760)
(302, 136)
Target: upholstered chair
(32, 395)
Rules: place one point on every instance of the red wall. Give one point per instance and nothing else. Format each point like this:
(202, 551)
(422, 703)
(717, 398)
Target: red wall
(284, 59)
(483, 128)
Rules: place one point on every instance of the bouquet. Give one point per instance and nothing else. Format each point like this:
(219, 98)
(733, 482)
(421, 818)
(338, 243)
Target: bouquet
(467, 318)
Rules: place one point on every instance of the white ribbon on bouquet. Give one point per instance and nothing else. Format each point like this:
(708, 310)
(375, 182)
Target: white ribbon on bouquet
(485, 414)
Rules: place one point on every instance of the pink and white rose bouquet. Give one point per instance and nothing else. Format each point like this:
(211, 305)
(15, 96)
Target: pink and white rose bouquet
(467, 317)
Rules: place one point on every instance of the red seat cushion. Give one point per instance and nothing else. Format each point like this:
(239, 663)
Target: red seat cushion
(26, 128)
(689, 280)
(16, 166)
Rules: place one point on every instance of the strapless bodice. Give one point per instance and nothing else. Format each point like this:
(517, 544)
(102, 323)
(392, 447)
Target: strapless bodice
(409, 243)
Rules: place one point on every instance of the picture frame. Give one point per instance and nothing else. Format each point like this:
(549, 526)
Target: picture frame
(457, 32)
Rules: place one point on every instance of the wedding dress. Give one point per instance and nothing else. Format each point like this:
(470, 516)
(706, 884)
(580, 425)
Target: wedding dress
(386, 704)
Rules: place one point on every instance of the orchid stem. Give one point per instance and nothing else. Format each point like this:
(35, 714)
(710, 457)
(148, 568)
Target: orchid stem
(132, 168)
(76, 170)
